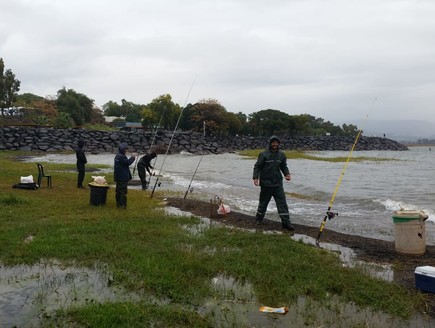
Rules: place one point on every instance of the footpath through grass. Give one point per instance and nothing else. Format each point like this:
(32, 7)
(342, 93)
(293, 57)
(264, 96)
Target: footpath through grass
(151, 252)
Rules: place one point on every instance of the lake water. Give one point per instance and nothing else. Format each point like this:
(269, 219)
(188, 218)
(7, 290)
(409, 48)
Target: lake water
(368, 195)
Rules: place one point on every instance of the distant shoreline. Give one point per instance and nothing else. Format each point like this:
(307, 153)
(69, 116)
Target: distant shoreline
(418, 145)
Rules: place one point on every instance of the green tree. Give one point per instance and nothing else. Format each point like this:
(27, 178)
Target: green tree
(234, 124)
(27, 99)
(112, 108)
(211, 115)
(9, 86)
(269, 122)
(186, 121)
(131, 111)
(96, 116)
(77, 105)
(64, 121)
(164, 110)
(350, 130)
(243, 118)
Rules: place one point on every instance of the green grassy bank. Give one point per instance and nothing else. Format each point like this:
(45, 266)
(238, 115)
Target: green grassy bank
(151, 252)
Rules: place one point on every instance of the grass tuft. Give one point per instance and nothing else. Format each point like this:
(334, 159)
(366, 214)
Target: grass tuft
(11, 199)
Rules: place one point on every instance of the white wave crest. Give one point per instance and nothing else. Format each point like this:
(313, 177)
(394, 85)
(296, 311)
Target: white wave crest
(392, 205)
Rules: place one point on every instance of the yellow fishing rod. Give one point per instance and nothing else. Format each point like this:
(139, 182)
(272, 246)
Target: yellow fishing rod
(329, 215)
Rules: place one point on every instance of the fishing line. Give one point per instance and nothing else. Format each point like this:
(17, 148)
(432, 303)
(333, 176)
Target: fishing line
(172, 138)
(329, 214)
(152, 142)
(188, 188)
(193, 176)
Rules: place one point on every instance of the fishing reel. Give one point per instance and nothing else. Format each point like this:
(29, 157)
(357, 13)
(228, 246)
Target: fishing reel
(331, 215)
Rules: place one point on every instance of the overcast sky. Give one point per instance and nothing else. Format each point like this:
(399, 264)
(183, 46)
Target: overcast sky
(330, 59)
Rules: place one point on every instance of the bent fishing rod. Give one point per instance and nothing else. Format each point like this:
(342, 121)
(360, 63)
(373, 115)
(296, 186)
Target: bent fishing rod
(329, 215)
(172, 138)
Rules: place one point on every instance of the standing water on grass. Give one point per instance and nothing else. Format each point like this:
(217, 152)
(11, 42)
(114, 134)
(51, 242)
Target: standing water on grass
(370, 191)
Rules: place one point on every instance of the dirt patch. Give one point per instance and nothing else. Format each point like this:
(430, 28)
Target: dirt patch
(366, 249)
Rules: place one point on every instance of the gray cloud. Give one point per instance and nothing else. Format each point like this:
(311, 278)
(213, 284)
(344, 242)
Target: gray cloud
(326, 58)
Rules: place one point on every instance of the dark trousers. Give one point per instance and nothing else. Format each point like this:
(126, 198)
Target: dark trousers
(121, 194)
(142, 175)
(278, 195)
(81, 175)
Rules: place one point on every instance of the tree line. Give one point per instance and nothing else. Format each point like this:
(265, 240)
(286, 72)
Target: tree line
(71, 109)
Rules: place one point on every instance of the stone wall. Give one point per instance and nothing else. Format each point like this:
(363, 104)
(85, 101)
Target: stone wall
(55, 140)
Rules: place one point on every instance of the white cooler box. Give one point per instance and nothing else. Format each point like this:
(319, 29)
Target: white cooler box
(425, 278)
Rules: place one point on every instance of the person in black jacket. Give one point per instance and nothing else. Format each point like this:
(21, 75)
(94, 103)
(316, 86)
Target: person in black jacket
(81, 162)
(122, 175)
(271, 165)
(143, 166)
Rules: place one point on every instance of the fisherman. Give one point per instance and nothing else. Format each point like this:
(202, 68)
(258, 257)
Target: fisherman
(268, 170)
(122, 174)
(143, 166)
(81, 162)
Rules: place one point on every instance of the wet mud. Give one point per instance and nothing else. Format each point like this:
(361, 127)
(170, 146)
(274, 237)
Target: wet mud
(365, 249)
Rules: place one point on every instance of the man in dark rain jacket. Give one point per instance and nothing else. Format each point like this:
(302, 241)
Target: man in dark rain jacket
(271, 165)
(81, 162)
(143, 166)
(122, 174)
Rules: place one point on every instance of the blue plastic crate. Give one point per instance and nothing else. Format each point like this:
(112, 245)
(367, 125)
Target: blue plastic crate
(425, 278)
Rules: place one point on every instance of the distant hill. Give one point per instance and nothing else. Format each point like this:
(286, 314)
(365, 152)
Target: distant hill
(398, 130)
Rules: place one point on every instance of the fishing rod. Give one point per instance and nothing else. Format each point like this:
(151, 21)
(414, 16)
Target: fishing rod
(152, 142)
(194, 173)
(135, 163)
(329, 215)
(172, 138)
(188, 188)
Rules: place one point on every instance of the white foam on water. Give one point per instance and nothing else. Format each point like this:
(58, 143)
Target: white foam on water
(393, 205)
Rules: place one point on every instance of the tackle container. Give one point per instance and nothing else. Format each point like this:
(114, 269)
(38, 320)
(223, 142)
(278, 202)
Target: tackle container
(98, 194)
(425, 278)
(410, 232)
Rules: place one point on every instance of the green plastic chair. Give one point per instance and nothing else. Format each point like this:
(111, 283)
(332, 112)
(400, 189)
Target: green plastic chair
(42, 175)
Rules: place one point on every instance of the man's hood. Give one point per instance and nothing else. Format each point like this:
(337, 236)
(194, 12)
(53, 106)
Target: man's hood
(123, 146)
(274, 138)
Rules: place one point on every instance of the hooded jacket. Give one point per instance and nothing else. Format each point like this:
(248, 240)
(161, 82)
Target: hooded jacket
(80, 153)
(145, 162)
(122, 162)
(271, 166)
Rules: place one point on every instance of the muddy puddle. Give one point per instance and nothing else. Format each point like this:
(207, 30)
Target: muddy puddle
(30, 292)
(348, 258)
(235, 305)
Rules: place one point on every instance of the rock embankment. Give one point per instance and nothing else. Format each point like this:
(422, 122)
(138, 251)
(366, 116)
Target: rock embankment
(55, 140)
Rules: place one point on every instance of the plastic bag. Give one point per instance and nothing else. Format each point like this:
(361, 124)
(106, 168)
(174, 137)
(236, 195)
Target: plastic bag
(28, 179)
(280, 310)
(223, 209)
(99, 180)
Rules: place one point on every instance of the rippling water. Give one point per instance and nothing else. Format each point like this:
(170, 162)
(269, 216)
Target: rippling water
(369, 192)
